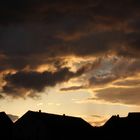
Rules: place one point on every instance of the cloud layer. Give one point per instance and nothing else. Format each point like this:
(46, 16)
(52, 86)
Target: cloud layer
(19, 83)
(52, 36)
(129, 96)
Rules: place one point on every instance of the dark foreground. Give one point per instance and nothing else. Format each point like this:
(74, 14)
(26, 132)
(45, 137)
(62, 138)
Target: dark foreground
(44, 126)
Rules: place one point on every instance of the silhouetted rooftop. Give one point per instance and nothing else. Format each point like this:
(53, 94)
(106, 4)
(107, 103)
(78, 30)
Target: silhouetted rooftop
(50, 117)
(6, 127)
(39, 124)
(134, 114)
(4, 118)
(42, 126)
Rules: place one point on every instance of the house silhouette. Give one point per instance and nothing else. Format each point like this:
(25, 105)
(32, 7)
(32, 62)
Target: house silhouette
(42, 126)
(46, 126)
(121, 127)
(6, 127)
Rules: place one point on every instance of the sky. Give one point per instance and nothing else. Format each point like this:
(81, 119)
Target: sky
(79, 58)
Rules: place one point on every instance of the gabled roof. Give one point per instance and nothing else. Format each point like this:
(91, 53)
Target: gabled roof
(33, 125)
(113, 121)
(6, 126)
(133, 119)
(52, 119)
(4, 119)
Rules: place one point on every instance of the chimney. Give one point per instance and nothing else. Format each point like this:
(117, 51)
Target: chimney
(39, 111)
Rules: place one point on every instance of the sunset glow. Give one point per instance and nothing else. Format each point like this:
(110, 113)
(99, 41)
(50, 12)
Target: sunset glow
(69, 57)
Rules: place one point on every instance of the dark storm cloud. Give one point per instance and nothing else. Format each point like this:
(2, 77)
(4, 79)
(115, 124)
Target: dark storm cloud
(37, 32)
(27, 46)
(53, 22)
(36, 81)
(16, 10)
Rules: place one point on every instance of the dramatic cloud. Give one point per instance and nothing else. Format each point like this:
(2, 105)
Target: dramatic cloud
(39, 38)
(130, 96)
(18, 84)
(113, 69)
